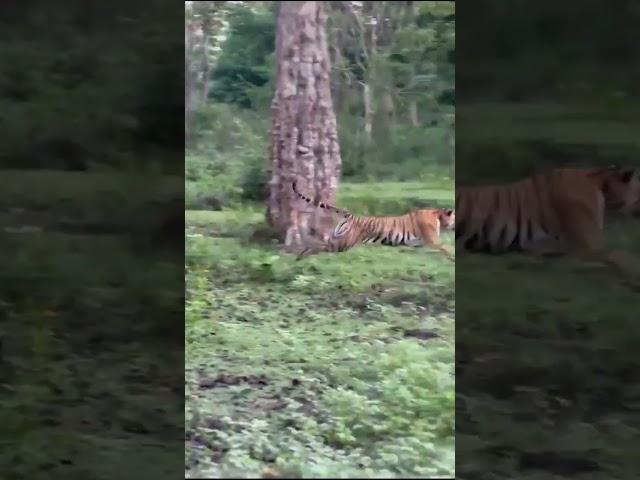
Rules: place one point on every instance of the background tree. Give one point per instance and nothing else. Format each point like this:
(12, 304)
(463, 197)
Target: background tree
(204, 28)
(189, 27)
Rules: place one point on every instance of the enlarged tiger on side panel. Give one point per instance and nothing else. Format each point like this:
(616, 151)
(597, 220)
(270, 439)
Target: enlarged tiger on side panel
(420, 227)
(561, 210)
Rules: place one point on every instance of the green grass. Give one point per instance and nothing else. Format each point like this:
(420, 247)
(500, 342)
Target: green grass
(333, 367)
(395, 198)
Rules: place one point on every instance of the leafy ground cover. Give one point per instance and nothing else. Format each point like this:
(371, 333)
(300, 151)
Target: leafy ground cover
(337, 366)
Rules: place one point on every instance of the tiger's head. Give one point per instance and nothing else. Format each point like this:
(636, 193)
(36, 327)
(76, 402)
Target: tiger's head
(447, 219)
(621, 189)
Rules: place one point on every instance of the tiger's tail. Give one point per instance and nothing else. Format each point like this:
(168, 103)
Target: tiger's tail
(326, 206)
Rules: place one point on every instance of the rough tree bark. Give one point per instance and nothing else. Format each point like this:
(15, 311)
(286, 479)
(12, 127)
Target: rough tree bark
(304, 138)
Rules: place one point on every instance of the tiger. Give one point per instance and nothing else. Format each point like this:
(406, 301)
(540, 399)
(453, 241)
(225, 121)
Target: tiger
(417, 228)
(549, 213)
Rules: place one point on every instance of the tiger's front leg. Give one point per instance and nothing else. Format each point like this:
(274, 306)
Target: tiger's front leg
(447, 251)
(585, 233)
(619, 263)
(430, 238)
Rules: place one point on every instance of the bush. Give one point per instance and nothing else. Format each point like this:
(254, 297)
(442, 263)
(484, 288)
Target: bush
(229, 163)
(254, 184)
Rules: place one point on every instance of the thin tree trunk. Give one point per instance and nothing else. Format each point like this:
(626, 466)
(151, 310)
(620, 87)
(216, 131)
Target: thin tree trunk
(206, 64)
(339, 81)
(188, 84)
(389, 107)
(413, 113)
(304, 139)
(411, 12)
(369, 112)
(451, 139)
(370, 43)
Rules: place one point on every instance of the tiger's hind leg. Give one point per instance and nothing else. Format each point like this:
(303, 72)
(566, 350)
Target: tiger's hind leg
(617, 262)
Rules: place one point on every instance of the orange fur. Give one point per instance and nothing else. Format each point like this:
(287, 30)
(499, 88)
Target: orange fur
(420, 227)
(563, 208)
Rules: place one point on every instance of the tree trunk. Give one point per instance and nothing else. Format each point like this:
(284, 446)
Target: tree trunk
(304, 139)
(206, 64)
(451, 138)
(413, 113)
(369, 112)
(389, 108)
(370, 43)
(188, 84)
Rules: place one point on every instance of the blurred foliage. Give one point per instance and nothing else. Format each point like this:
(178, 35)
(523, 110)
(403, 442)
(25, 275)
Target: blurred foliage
(91, 258)
(72, 98)
(546, 85)
(90, 309)
(586, 53)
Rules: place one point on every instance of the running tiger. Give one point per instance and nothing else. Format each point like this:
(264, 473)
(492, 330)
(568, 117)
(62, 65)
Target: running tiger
(551, 212)
(420, 227)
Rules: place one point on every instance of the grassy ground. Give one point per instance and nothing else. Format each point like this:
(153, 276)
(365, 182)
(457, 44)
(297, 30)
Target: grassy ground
(337, 366)
(546, 351)
(92, 364)
(547, 366)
